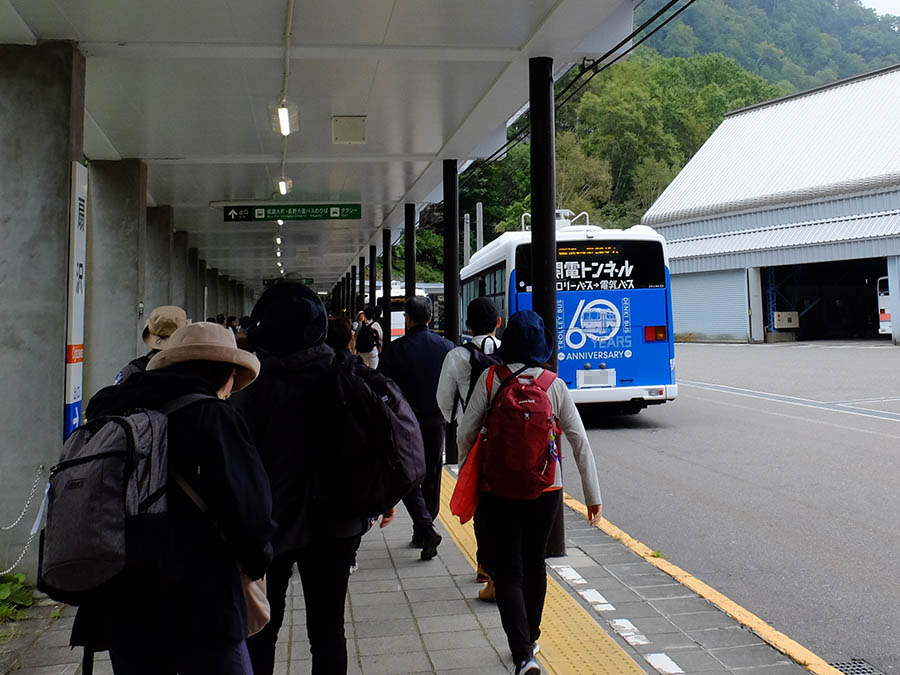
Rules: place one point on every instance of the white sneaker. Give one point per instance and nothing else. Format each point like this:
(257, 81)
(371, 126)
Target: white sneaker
(535, 648)
(529, 667)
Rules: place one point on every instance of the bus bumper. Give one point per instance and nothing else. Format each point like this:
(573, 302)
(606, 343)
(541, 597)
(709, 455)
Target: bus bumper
(650, 395)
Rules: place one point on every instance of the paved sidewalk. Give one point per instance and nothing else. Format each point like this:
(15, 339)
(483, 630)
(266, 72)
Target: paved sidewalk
(408, 616)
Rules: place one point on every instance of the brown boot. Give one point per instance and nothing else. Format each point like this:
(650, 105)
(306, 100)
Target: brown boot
(488, 593)
(481, 576)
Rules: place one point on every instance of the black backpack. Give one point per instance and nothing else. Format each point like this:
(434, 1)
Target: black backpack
(377, 455)
(478, 363)
(366, 338)
(111, 478)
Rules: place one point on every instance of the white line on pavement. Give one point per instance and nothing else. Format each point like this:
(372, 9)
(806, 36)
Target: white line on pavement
(663, 664)
(629, 632)
(569, 574)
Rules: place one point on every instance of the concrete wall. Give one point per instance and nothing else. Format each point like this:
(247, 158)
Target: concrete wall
(117, 224)
(41, 123)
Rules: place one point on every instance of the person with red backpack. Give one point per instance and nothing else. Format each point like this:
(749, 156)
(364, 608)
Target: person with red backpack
(519, 409)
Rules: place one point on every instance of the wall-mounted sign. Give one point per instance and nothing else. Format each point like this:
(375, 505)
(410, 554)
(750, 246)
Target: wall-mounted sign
(293, 212)
(75, 319)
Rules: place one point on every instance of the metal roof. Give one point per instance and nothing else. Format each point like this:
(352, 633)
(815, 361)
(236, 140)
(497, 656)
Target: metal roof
(787, 244)
(797, 234)
(829, 141)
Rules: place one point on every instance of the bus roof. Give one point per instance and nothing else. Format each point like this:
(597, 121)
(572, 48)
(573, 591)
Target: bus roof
(503, 246)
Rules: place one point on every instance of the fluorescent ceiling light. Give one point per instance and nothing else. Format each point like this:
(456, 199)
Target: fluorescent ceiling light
(280, 222)
(284, 120)
(278, 239)
(278, 253)
(282, 187)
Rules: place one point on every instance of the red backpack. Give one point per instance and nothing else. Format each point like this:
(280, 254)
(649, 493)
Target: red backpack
(519, 450)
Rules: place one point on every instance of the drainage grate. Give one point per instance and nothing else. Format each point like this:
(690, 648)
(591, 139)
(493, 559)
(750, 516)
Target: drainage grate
(856, 667)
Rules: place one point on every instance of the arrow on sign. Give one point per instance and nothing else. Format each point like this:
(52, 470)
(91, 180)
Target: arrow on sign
(232, 213)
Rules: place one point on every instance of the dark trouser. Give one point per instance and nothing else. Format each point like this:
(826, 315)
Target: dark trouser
(516, 533)
(424, 503)
(142, 658)
(324, 568)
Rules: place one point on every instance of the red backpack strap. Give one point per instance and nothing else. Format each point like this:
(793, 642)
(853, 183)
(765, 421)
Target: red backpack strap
(545, 379)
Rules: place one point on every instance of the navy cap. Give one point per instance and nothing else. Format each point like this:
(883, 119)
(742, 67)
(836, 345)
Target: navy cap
(526, 340)
(287, 317)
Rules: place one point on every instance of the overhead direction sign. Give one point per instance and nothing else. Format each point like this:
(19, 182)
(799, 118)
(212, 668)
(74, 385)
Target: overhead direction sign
(293, 212)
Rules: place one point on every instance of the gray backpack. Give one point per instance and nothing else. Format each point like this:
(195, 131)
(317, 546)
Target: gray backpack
(112, 469)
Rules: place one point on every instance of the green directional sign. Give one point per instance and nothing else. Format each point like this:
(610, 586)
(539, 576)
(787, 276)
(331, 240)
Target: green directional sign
(293, 212)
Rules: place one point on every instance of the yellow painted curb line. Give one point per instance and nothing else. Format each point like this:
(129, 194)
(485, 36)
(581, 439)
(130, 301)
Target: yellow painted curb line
(572, 642)
(777, 639)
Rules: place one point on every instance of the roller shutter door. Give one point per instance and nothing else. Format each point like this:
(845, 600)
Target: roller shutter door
(711, 306)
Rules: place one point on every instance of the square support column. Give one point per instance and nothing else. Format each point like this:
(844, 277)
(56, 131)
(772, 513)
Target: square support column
(178, 271)
(158, 260)
(40, 138)
(194, 302)
(115, 306)
(212, 292)
(202, 283)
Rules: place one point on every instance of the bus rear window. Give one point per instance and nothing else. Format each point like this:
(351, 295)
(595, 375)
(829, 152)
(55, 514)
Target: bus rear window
(599, 265)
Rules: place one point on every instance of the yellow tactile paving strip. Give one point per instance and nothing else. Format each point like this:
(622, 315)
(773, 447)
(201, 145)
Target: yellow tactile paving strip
(572, 642)
(779, 640)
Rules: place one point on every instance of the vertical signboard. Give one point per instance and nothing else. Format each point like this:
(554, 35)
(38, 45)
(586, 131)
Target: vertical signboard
(75, 318)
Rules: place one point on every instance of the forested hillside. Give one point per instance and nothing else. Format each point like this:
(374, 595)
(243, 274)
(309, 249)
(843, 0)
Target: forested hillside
(798, 44)
(631, 130)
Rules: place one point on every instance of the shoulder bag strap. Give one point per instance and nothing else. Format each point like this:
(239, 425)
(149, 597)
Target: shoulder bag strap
(182, 402)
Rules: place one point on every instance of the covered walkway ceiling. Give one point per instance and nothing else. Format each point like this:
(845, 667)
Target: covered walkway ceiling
(187, 87)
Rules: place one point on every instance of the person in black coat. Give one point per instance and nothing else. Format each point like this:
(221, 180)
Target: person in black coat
(414, 362)
(179, 606)
(292, 419)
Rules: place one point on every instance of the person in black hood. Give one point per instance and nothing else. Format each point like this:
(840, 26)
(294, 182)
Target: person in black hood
(179, 607)
(292, 420)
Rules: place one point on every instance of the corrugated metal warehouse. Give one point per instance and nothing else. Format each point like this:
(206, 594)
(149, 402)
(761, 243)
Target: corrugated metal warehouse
(786, 223)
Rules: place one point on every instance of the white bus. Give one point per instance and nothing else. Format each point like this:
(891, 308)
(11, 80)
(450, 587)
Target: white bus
(613, 309)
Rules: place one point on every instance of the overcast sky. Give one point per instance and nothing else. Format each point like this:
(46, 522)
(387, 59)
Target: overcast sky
(884, 6)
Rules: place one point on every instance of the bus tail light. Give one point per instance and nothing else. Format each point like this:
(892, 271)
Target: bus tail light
(655, 334)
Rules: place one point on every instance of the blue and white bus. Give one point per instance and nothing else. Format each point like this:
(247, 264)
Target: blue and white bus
(613, 307)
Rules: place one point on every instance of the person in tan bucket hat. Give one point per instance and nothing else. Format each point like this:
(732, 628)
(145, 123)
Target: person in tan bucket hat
(179, 607)
(208, 342)
(163, 322)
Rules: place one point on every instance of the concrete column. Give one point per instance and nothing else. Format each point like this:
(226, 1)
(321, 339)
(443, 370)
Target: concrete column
(178, 271)
(222, 295)
(41, 124)
(212, 291)
(241, 296)
(115, 306)
(193, 281)
(159, 245)
(893, 270)
(234, 303)
(373, 255)
(202, 283)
